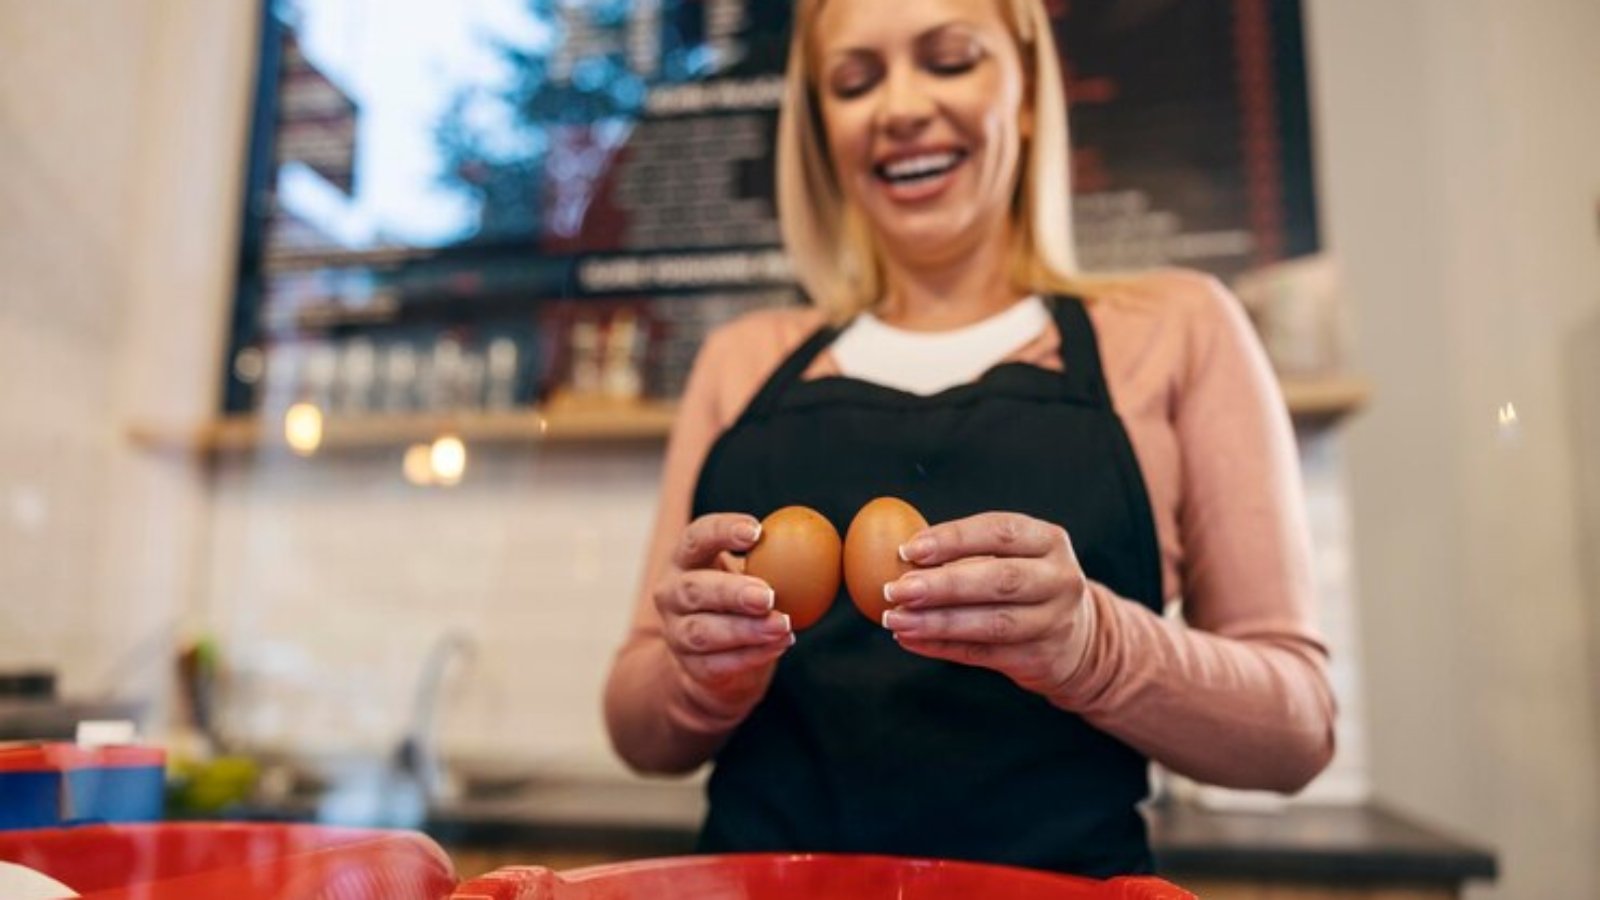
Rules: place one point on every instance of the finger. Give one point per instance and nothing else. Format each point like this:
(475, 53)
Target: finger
(713, 534)
(712, 667)
(1029, 665)
(1002, 579)
(705, 633)
(730, 562)
(986, 534)
(972, 625)
(712, 591)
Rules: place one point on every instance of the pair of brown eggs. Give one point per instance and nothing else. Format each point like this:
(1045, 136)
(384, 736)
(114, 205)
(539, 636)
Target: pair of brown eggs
(800, 555)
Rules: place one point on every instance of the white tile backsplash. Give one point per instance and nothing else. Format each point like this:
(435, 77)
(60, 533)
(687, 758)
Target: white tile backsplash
(338, 564)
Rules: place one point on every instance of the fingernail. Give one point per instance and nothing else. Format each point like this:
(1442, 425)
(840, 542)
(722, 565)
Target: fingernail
(757, 597)
(908, 589)
(913, 551)
(786, 624)
(791, 639)
(772, 598)
(747, 532)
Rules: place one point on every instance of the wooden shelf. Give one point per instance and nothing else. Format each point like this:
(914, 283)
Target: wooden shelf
(621, 423)
(1322, 401)
(1315, 402)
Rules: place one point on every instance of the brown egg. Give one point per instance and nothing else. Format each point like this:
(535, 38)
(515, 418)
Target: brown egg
(872, 551)
(798, 555)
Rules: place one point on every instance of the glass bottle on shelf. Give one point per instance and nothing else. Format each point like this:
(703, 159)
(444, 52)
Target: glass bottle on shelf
(586, 358)
(467, 389)
(320, 376)
(357, 374)
(621, 379)
(501, 374)
(443, 371)
(398, 379)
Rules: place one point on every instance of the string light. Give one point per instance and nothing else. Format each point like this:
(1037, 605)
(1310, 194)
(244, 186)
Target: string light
(418, 465)
(448, 458)
(302, 428)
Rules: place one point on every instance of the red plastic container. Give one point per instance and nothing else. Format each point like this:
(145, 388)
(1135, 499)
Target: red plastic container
(309, 862)
(235, 862)
(804, 877)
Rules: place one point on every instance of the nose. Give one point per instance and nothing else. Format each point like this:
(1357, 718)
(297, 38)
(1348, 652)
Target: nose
(904, 107)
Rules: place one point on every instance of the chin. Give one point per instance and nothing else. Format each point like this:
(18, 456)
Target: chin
(926, 240)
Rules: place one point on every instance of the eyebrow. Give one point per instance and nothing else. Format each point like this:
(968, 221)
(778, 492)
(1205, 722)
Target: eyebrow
(921, 38)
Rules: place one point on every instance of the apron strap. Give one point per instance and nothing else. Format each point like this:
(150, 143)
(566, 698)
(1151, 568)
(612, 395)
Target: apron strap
(789, 371)
(1080, 350)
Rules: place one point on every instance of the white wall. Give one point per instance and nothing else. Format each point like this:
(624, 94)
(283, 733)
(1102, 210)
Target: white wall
(120, 128)
(1460, 156)
(69, 151)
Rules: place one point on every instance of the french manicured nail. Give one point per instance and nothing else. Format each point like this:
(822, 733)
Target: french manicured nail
(908, 589)
(895, 620)
(757, 597)
(748, 532)
(913, 551)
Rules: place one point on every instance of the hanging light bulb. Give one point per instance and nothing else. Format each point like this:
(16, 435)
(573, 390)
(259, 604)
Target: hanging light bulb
(448, 457)
(418, 465)
(302, 428)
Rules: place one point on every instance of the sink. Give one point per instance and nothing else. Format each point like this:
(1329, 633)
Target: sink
(468, 784)
(299, 781)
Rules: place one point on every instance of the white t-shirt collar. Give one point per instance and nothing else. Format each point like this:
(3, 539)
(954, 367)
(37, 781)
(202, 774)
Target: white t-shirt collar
(927, 362)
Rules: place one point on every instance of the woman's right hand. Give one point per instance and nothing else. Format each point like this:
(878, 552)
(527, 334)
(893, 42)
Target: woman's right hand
(719, 623)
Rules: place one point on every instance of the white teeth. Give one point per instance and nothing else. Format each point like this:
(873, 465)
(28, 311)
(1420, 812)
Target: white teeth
(920, 166)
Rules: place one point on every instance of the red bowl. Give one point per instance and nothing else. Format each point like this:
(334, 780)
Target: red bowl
(236, 862)
(804, 877)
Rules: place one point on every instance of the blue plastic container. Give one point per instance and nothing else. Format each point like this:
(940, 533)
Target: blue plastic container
(45, 785)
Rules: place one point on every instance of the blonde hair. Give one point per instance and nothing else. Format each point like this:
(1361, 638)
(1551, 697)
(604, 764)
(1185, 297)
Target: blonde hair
(829, 245)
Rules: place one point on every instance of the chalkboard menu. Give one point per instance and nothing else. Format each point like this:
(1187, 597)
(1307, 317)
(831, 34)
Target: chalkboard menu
(491, 204)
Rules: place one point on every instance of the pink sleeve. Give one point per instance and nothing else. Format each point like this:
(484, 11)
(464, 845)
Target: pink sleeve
(658, 719)
(1239, 698)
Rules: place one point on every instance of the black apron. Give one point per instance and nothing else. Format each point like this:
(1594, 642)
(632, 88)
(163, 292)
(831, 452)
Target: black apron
(860, 746)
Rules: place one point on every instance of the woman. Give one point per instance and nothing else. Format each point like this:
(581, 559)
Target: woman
(1089, 451)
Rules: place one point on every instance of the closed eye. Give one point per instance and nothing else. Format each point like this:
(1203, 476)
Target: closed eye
(951, 67)
(854, 78)
(949, 50)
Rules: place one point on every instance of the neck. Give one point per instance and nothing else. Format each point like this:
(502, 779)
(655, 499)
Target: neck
(936, 294)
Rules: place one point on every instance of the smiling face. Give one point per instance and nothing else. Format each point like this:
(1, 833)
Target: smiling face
(924, 104)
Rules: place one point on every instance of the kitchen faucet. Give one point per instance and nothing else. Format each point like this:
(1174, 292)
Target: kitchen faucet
(418, 753)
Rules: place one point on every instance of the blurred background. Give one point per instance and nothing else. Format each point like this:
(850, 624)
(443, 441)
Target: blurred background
(339, 341)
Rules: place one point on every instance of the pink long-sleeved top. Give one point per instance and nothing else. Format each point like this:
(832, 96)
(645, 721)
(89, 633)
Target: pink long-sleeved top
(1236, 694)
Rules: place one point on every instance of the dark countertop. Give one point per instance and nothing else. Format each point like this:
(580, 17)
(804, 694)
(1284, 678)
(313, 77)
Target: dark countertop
(1322, 844)
(1302, 843)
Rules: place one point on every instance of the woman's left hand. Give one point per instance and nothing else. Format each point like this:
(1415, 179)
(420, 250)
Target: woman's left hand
(999, 590)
